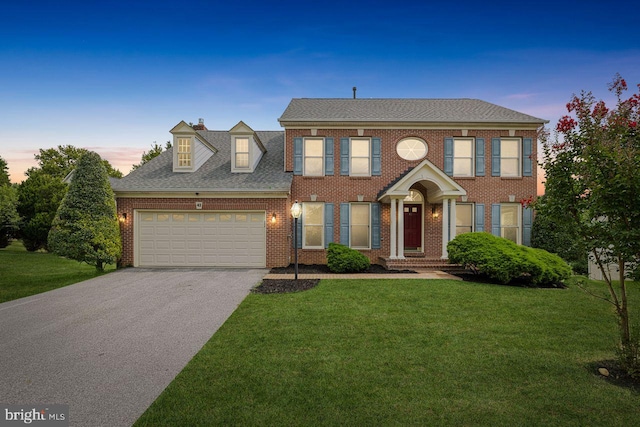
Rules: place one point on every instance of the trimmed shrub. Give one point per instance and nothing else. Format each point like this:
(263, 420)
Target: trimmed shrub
(342, 259)
(504, 261)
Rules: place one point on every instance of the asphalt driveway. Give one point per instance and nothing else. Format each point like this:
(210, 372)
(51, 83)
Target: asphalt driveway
(108, 346)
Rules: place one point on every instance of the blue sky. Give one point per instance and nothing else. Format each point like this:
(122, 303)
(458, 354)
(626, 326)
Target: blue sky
(116, 76)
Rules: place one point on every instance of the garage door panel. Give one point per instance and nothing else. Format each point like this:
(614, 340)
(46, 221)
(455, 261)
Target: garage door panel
(225, 239)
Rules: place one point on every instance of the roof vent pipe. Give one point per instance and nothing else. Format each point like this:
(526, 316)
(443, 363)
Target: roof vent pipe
(354, 92)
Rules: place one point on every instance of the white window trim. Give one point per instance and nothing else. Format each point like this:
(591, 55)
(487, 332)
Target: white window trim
(519, 158)
(304, 156)
(176, 155)
(305, 224)
(237, 168)
(359, 157)
(351, 227)
(473, 216)
(473, 156)
(518, 227)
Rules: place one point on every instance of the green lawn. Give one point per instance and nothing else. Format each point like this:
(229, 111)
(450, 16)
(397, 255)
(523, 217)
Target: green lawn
(25, 273)
(414, 352)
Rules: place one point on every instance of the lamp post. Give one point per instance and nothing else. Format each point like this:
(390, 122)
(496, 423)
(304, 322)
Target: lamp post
(296, 211)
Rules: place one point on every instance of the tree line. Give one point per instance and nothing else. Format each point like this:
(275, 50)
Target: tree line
(65, 182)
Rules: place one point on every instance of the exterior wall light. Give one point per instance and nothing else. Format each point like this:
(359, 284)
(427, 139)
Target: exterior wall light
(273, 218)
(123, 217)
(434, 212)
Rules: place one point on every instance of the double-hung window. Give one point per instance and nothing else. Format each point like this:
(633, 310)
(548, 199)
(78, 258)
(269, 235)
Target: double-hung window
(360, 159)
(185, 155)
(242, 153)
(314, 156)
(510, 221)
(463, 157)
(313, 225)
(464, 218)
(360, 237)
(510, 157)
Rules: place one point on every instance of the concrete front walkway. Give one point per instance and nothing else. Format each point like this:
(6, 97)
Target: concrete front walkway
(107, 347)
(419, 274)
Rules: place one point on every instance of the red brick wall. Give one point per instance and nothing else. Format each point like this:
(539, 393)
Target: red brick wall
(340, 189)
(278, 233)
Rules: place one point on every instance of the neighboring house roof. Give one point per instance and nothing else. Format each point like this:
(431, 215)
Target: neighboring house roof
(215, 174)
(401, 110)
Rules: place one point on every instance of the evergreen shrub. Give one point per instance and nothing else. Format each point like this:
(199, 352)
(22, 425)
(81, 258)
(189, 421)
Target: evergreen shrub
(342, 259)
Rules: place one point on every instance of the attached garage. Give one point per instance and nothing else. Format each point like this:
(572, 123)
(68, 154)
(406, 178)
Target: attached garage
(200, 239)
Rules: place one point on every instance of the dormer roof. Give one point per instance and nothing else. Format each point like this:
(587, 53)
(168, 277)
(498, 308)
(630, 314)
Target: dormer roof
(243, 129)
(183, 128)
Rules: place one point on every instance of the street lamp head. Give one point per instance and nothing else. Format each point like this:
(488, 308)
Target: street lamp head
(296, 210)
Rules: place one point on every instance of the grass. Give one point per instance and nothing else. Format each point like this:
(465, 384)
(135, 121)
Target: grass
(393, 352)
(25, 273)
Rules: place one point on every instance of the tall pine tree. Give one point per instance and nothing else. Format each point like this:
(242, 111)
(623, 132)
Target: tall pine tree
(86, 227)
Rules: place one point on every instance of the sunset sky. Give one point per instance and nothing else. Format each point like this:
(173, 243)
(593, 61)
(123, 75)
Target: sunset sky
(114, 76)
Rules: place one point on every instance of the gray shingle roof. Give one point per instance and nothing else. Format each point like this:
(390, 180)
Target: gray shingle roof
(215, 174)
(401, 110)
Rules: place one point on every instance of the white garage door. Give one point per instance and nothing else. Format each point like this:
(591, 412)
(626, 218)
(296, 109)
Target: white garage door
(200, 239)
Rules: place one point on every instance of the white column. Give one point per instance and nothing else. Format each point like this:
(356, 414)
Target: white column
(394, 227)
(400, 228)
(452, 220)
(445, 227)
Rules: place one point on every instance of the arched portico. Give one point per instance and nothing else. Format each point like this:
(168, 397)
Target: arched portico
(440, 189)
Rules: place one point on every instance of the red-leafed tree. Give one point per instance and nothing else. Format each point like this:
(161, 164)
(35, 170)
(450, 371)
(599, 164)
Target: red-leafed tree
(592, 185)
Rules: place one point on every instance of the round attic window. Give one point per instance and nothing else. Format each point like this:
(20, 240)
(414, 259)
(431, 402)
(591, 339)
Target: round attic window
(411, 148)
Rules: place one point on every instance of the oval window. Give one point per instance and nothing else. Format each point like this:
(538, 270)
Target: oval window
(411, 149)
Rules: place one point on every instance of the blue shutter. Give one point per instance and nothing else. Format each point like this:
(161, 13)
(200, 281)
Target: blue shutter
(328, 156)
(495, 219)
(495, 157)
(344, 224)
(344, 156)
(297, 156)
(376, 154)
(328, 224)
(527, 222)
(527, 161)
(448, 156)
(479, 156)
(375, 226)
(479, 226)
(298, 242)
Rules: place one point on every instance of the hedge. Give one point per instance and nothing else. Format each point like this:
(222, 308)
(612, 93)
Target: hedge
(504, 261)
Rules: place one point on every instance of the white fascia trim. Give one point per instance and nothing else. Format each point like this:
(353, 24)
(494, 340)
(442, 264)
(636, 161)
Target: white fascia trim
(412, 125)
(191, 194)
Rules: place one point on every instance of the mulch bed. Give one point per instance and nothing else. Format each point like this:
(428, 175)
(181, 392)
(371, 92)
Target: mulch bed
(284, 286)
(617, 375)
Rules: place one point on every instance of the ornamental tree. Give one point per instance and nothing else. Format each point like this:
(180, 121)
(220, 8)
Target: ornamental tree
(86, 227)
(592, 186)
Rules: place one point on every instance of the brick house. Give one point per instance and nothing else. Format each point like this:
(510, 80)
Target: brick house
(394, 178)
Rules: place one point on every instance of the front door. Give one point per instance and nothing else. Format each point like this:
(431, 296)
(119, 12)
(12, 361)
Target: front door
(412, 227)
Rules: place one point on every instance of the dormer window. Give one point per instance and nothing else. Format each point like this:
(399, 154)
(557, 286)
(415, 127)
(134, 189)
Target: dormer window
(242, 153)
(246, 149)
(185, 155)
